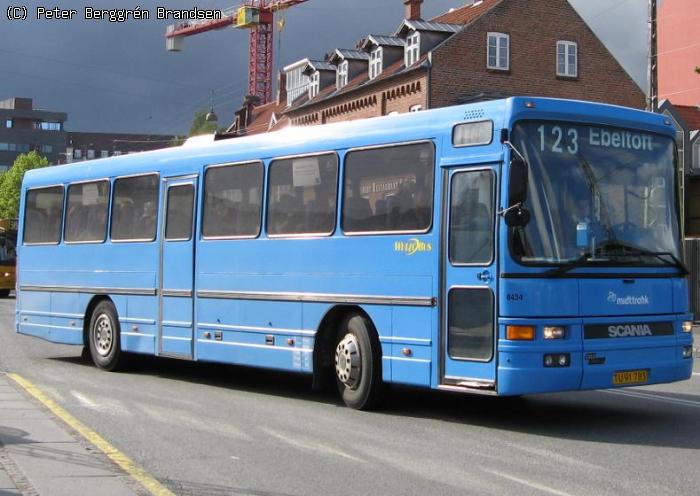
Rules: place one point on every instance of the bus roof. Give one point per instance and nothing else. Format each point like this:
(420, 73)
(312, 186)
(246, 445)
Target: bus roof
(350, 134)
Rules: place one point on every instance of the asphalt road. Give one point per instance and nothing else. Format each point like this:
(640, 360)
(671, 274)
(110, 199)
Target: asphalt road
(205, 429)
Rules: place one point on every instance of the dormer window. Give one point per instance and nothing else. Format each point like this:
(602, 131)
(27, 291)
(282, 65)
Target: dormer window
(375, 62)
(412, 50)
(342, 77)
(498, 52)
(314, 84)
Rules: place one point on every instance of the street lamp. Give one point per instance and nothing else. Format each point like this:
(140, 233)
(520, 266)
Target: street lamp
(211, 116)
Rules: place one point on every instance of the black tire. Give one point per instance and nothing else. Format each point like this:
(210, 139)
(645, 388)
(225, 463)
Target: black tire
(359, 388)
(104, 337)
(4, 293)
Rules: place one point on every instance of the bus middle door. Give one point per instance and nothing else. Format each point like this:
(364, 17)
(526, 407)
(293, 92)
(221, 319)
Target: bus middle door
(176, 302)
(468, 344)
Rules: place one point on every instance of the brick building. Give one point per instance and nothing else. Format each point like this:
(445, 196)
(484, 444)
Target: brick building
(485, 49)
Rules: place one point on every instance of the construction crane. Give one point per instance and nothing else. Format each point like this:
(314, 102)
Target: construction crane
(256, 15)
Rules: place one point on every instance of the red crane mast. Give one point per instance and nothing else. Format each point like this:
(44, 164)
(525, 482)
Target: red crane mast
(256, 15)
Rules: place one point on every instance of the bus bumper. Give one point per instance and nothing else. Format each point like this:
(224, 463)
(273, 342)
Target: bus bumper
(523, 372)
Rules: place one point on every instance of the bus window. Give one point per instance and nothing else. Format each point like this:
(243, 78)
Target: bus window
(389, 189)
(302, 196)
(471, 217)
(42, 215)
(86, 220)
(135, 208)
(232, 201)
(178, 223)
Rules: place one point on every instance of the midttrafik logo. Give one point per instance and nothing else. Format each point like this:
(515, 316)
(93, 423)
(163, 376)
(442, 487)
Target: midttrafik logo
(627, 300)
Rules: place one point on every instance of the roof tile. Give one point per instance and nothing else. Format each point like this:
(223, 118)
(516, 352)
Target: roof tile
(467, 13)
(691, 116)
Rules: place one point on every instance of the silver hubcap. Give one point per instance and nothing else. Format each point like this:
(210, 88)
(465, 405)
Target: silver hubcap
(103, 335)
(348, 361)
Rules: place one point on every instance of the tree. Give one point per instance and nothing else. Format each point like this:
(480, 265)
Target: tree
(11, 182)
(200, 125)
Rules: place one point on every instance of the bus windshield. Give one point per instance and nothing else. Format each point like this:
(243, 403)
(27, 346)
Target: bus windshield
(597, 195)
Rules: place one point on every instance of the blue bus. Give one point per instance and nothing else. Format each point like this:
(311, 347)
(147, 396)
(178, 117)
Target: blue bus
(507, 247)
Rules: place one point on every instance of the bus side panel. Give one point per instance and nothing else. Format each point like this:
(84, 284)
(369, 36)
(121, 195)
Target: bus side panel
(411, 345)
(138, 324)
(249, 332)
(67, 314)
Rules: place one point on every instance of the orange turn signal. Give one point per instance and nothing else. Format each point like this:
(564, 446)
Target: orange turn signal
(520, 333)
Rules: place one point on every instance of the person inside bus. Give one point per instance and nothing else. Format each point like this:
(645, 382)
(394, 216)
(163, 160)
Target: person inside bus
(357, 210)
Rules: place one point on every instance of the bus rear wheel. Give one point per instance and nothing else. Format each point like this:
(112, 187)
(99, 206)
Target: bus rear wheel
(104, 337)
(357, 363)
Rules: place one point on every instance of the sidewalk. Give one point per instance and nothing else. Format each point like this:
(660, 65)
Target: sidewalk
(40, 456)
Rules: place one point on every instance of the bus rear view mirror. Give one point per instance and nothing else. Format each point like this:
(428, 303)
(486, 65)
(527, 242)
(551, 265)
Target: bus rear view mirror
(517, 183)
(516, 215)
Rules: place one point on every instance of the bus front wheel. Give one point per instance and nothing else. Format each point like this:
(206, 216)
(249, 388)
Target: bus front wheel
(105, 347)
(357, 363)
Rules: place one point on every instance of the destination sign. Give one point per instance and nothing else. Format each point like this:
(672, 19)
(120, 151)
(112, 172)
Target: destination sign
(558, 138)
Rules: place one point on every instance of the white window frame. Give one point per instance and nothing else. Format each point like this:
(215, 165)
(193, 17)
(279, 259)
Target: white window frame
(567, 49)
(314, 84)
(496, 45)
(342, 75)
(415, 108)
(376, 62)
(411, 52)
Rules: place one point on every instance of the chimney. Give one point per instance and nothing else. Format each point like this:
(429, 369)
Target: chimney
(412, 9)
(282, 88)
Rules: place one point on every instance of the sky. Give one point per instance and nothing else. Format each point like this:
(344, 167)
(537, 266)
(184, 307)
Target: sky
(120, 78)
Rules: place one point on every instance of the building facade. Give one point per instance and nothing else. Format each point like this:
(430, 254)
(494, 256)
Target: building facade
(679, 52)
(485, 49)
(24, 128)
(88, 146)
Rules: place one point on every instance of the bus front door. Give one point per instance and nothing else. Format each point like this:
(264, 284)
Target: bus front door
(176, 308)
(468, 344)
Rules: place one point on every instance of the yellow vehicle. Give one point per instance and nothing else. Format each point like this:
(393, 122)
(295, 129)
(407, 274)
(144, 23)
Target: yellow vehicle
(8, 256)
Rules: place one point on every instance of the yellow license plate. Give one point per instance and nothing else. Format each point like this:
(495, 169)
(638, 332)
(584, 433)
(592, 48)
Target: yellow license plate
(631, 377)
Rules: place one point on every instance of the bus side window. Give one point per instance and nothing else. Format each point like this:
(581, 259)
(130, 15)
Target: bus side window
(232, 201)
(86, 218)
(302, 195)
(389, 189)
(43, 214)
(178, 218)
(135, 208)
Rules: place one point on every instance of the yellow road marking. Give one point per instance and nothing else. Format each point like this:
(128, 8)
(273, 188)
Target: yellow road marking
(131, 468)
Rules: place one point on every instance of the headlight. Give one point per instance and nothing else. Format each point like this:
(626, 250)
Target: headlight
(687, 326)
(554, 332)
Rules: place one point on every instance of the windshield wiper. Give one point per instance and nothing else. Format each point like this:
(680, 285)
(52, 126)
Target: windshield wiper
(629, 250)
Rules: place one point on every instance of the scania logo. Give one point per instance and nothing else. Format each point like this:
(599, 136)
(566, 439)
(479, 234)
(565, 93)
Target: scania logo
(627, 330)
(627, 300)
